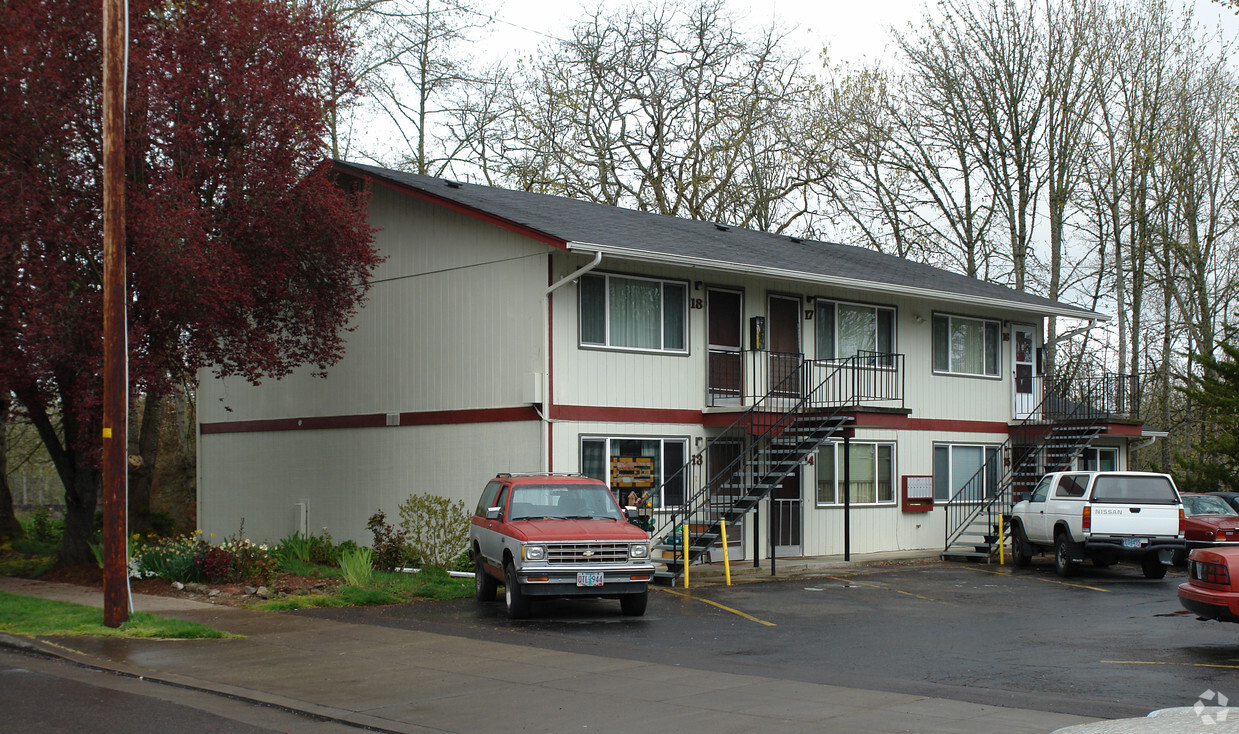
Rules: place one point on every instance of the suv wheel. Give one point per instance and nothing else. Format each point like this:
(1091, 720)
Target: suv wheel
(1063, 564)
(516, 601)
(484, 585)
(633, 605)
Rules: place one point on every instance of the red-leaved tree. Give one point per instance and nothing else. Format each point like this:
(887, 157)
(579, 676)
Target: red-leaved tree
(242, 252)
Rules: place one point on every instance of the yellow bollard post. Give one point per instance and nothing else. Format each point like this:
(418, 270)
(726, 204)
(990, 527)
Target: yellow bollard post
(1002, 545)
(722, 528)
(685, 526)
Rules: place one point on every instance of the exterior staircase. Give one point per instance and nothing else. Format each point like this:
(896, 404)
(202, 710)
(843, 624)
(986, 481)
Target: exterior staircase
(1050, 439)
(751, 458)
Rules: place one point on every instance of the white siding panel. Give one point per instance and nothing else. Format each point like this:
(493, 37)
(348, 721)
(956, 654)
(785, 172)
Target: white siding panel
(454, 321)
(346, 475)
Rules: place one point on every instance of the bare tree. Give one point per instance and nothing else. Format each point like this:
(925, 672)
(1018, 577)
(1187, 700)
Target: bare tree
(664, 110)
(1070, 98)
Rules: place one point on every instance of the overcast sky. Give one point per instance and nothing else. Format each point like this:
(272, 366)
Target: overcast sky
(852, 29)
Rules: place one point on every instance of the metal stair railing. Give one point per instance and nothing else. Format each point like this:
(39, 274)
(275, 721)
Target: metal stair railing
(771, 438)
(1064, 403)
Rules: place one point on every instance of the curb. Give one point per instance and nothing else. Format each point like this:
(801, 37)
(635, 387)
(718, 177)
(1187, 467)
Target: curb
(293, 706)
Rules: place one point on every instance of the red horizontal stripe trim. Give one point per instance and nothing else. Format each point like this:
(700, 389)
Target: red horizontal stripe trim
(906, 423)
(626, 415)
(469, 211)
(375, 420)
(478, 415)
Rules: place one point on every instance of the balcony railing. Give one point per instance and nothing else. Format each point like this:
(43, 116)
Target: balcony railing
(1106, 396)
(742, 378)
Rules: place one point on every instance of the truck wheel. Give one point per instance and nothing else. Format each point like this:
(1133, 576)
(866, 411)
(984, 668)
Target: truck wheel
(1152, 566)
(483, 585)
(515, 600)
(633, 605)
(1021, 551)
(1063, 565)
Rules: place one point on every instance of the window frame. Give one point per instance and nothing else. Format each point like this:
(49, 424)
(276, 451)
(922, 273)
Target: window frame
(820, 304)
(608, 342)
(987, 325)
(664, 470)
(986, 450)
(1090, 458)
(837, 475)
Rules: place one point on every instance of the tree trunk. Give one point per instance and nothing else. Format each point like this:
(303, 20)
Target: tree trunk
(142, 464)
(80, 478)
(10, 528)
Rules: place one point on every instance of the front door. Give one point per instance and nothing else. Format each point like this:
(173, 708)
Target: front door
(1026, 396)
(727, 485)
(784, 328)
(724, 327)
(785, 520)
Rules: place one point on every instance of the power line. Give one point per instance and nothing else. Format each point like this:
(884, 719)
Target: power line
(450, 270)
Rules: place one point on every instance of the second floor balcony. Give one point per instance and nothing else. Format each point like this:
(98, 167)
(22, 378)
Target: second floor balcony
(784, 380)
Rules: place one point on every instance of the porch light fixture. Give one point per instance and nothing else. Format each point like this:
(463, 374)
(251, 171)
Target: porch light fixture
(697, 285)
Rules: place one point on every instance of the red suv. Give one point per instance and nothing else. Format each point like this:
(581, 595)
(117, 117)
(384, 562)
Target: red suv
(557, 535)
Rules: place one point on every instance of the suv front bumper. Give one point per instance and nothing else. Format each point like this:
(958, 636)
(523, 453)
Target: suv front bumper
(629, 578)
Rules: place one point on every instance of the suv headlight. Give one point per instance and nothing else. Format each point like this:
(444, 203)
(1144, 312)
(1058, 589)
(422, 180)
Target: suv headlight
(639, 550)
(534, 552)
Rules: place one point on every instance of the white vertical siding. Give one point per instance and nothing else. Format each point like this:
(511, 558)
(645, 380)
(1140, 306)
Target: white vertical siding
(344, 476)
(454, 321)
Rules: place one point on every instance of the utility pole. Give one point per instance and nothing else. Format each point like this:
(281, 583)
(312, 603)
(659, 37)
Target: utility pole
(115, 327)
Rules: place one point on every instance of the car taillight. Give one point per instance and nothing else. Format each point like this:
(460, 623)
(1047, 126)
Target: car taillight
(1182, 522)
(1087, 520)
(1210, 573)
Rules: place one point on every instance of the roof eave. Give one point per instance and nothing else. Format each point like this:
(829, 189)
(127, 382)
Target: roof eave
(625, 253)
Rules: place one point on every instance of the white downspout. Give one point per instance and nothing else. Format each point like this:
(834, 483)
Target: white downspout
(546, 353)
(569, 278)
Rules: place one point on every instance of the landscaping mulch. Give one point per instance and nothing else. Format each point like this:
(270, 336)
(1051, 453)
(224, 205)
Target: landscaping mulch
(232, 594)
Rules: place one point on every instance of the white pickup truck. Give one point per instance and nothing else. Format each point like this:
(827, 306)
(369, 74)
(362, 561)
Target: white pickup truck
(1102, 516)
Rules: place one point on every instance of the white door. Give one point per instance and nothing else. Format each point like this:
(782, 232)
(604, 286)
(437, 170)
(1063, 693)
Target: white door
(1026, 393)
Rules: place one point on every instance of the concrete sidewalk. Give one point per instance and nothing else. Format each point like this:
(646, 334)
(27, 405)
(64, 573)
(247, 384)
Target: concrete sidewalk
(407, 681)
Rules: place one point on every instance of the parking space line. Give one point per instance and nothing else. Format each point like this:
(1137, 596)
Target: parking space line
(720, 606)
(1038, 578)
(849, 580)
(1161, 662)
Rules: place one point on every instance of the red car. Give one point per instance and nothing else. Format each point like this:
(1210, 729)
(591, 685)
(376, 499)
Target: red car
(557, 535)
(1211, 591)
(1210, 523)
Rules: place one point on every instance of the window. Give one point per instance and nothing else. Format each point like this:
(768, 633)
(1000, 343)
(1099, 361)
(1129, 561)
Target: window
(634, 313)
(965, 346)
(964, 473)
(872, 468)
(1043, 489)
(1071, 486)
(844, 329)
(488, 496)
(638, 465)
(1099, 460)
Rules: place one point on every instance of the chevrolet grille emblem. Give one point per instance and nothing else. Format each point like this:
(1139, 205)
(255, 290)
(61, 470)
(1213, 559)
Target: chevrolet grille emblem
(588, 554)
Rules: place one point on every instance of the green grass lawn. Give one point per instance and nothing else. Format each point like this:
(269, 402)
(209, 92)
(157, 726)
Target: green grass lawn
(26, 615)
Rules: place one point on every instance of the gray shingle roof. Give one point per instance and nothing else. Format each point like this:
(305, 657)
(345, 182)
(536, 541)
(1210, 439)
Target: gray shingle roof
(639, 235)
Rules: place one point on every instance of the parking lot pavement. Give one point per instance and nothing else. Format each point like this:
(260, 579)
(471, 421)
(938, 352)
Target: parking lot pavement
(1106, 643)
(388, 675)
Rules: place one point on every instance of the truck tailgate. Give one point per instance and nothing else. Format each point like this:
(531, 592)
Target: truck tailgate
(1134, 519)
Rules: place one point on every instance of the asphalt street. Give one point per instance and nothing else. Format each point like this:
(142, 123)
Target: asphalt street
(40, 694)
